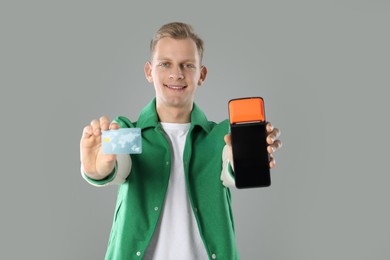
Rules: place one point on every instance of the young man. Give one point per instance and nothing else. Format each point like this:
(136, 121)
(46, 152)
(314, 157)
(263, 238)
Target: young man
(173, 200)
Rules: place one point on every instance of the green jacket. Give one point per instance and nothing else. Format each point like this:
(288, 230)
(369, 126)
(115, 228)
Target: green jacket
(141, 196)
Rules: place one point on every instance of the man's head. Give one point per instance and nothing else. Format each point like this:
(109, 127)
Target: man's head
(175, 67)
(177, 30)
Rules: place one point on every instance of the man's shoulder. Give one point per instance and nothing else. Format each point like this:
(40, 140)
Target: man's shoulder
(221, 127)
(222, 124)
(124, 122)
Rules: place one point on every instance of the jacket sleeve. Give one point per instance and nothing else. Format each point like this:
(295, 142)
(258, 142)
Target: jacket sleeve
(119, 174)
(227, 174)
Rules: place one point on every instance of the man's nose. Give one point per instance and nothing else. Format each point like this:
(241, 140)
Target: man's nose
(176, 73)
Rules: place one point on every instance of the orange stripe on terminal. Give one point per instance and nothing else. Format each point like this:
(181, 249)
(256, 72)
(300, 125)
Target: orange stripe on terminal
(246, 110)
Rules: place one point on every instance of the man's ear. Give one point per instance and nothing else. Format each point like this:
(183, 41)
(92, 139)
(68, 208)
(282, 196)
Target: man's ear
(203, 73)
(148, 71)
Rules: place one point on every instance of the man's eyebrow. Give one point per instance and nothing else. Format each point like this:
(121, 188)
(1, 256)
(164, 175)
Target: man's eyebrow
(168, 59)
(162, 58)
(190, 61)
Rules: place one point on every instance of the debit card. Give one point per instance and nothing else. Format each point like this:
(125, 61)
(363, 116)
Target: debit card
(122, 141)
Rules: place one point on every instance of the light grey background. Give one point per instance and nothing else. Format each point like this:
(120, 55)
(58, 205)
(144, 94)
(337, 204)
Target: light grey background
(322, 67)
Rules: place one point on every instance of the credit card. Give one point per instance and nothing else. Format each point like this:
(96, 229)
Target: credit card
(122, 141)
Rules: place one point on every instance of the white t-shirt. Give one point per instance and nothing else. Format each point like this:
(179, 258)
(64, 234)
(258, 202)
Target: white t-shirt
(177, 234)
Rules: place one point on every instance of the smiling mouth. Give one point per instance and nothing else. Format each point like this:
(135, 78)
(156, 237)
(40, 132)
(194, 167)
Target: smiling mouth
(175, 87)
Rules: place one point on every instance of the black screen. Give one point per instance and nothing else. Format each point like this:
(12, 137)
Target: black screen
(251, 159)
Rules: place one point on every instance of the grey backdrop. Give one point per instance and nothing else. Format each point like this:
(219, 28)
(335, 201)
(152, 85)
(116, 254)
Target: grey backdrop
(322, 67)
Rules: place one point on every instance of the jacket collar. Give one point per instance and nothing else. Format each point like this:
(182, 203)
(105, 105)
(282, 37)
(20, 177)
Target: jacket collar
(149, 118)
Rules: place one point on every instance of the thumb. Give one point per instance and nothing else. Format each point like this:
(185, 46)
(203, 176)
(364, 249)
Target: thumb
(114, 126)
(228, 139)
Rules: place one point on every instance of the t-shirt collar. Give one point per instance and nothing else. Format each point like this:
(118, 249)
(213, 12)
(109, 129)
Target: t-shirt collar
(149, 118)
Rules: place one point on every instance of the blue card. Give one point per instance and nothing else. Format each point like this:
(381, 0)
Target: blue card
(122, 141)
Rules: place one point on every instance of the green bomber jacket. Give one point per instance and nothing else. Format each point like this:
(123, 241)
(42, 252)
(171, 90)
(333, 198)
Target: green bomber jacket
(141, 195)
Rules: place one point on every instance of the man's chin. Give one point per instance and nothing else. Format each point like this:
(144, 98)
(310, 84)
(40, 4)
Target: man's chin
(178, 103)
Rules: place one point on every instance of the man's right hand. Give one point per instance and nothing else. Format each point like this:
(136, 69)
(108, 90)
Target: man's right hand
(96, 164)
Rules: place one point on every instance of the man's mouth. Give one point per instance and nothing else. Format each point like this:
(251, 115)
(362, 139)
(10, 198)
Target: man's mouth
(175, 87)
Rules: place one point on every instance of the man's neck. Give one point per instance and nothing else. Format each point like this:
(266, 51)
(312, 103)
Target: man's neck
(174, 114)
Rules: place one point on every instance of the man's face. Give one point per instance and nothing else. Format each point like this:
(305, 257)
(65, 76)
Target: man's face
(175, 72)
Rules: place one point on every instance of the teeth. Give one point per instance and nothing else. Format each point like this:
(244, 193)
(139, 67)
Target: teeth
(175, 87)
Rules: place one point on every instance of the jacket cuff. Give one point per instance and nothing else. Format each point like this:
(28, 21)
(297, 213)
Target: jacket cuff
(227, 174)
(119, 174)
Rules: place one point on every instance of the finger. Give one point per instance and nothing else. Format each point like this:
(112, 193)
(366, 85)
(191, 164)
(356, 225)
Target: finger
(87, 131)
(228, 139)
(269, 127)
(114, 126)
(272, 136)
(274, 146)
(104, 123)
(95, 124)
(272, 162)
(276, 132)
(270, 140)
(270, 149)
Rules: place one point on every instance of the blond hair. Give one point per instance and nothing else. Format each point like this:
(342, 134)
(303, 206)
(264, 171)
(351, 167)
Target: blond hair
(177, 30)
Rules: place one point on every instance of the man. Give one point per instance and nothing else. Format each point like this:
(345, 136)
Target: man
(173, 202)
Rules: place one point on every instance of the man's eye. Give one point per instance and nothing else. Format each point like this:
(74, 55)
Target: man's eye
(163, 64)
(189, 66)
